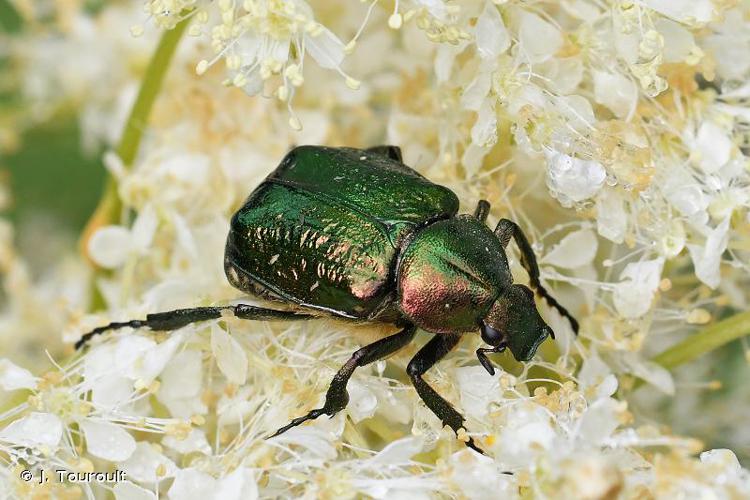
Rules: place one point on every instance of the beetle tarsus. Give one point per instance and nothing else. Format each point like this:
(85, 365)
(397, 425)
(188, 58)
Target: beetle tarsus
(295, 422)
(507, 229)
(337, 396)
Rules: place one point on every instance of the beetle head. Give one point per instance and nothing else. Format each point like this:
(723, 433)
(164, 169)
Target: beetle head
(514, 322)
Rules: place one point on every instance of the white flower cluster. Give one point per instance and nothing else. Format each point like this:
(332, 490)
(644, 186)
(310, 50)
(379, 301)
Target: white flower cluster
(616, 133)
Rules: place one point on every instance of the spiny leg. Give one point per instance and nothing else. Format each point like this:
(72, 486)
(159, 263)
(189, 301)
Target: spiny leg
(425, 359)
(172, 320)
(336, 396)
(482, 210)
(507, 229)
(392, 152)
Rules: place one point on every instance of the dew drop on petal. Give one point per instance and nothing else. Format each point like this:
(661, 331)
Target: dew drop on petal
(573, 179)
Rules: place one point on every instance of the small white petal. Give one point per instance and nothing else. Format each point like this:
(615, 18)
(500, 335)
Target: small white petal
(492, 37)
(707, 257)
(574, 250)
(651, 372)
(478, 390)
(635, 291)
(239, 485)
(150, 363)
(185, 236)
(144, 228)
(479, 477)
(399, 451)
(106, 440)
(528, 431)
(14, 377)
(689, 11)
(144, 463)
(229, 354)
(35, 429)
(192, 484)
(578, 112)
(611, 218)
(183, 376)
(684, 192)
(195, 441)
(714, 147)
(110, 246)
(475, 94)
(678, 41)
(484, 131)
(325, 48)
(616, 92)
(362, 401)
(600, 420)
(539, 40)
(129, 491)
(563, 74)
(723, 457)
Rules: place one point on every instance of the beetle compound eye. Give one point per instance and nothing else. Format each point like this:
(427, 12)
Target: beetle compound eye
(492, 336)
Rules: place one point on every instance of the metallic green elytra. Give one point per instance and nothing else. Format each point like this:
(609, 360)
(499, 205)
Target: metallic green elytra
(355, 233)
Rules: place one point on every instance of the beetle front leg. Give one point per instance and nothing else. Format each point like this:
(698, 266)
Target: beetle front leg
(172, 320)
(426, 358)
(507, 229)
(392, 152)
(336, 396)
(482, 210)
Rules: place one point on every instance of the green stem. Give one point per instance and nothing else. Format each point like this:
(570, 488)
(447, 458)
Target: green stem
(705, 341)
(150, 87)
(109, 208)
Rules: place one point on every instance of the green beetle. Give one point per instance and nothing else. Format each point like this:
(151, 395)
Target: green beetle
(356, 234)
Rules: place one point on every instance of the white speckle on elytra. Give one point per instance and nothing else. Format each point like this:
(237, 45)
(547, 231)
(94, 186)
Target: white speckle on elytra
(274, 259)
(362, 158)
(314, 286)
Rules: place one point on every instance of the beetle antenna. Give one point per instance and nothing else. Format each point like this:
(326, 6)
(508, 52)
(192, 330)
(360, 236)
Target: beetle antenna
(554, 303)
(173, 320)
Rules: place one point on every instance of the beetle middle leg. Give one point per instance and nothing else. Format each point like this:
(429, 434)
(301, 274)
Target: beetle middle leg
(507, 229)
(172, 320)
(336, 396)
(440, 345)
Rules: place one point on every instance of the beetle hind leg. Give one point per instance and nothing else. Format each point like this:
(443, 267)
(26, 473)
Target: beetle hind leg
(507, 229)
(336, 396)
(426, 358)
(173, 320)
